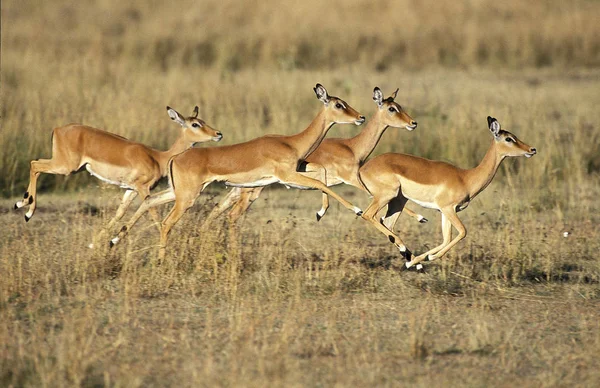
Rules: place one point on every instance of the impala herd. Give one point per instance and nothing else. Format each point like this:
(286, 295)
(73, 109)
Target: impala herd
(305, 160)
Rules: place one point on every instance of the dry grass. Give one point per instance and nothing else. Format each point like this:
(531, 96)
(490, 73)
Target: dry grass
(283, 300)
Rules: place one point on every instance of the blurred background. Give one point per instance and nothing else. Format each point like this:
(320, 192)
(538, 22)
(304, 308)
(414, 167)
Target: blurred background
(250, 66)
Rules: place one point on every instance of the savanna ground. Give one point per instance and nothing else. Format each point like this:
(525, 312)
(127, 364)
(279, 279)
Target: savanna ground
(284, 300)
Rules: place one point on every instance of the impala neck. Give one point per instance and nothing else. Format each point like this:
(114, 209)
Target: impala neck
(364, 143)
(163, 157)
(479, 178)
(308, 140)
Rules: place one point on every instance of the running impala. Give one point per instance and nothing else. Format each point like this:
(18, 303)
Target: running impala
(258, 162)
(114, 159)
(393, 179)
(338, 160)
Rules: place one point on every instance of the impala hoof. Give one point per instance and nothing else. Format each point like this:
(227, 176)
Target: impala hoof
(423, 220)
(15, 207)
(27, 218)
(318, 217)
(113, 242)
(407, 254)
(419, 268)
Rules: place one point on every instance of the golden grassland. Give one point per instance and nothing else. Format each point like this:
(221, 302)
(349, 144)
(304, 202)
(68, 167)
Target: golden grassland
(284, 300)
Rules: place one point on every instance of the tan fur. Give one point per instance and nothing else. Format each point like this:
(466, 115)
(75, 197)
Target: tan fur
(395, 178)
(261, 161)
(339, 158)
(113, 158)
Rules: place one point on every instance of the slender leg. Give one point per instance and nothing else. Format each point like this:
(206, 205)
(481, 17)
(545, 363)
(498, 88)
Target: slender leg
(128, 197)
(317, 171)
(452, 217)
(47, 166)
(394, 210)
(446, 233)
(230, 199)
(174, 215)
(379, 201)
(157, 199)
(246, 200)
(297, 179)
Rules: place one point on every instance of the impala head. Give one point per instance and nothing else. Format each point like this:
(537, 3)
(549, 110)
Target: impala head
(337, 110)
(391, 112)
(195, 130)
(507, 143)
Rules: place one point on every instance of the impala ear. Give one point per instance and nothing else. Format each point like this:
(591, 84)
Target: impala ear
(195, 114)
(494, 126)
(175, 116)
(395, 94)
(378, 96)
(321, 93)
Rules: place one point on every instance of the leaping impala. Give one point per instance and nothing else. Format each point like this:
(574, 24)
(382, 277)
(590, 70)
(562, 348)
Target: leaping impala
(114, 159)
(258, 162)
(393, 179)
(339, 159)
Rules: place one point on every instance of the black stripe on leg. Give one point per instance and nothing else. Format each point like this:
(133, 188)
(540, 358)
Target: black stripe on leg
(302, 166)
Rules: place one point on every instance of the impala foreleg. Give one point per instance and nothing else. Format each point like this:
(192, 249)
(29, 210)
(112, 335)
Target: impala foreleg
(152, 201)
(174, 215)
(451, 219)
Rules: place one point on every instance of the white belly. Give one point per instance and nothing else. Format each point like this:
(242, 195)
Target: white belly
(103, 179)
(428, 205)
(257, 183)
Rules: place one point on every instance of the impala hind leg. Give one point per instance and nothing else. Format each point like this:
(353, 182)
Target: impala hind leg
(301, 181)
(317, 171)
(150, 202)
(451, 219)
(47, 166)
(230, 199)
(247, 198)
(379, 201)
(392, 214)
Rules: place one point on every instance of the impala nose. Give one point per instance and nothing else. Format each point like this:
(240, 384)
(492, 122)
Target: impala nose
(361, 119)
(219, 134)
(533, 150)
(413, 123)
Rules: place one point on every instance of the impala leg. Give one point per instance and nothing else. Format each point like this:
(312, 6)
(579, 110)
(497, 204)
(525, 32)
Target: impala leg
(452, 218)
(317, 171)
(446, 233)
(47, 166)
(230, 199)
(394, 209)
(297, 179)
(371, 216)
(247, 198)
(174, 215)
(128, 197)
(392, 214)
(158, 199)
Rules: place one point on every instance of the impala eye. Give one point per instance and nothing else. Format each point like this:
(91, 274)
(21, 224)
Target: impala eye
(509, 140)
(196, 125)
(392, 109)
(338, 105)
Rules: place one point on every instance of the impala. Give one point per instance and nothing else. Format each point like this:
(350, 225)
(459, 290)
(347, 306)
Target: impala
(258, 162)
(393, 179)
(338, 159)
(114, 159)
